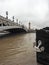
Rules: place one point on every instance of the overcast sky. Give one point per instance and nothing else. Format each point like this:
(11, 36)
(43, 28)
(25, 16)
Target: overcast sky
(35, 11)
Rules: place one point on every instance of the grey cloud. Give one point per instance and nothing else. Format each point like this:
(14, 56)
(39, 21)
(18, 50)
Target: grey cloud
(34, 11)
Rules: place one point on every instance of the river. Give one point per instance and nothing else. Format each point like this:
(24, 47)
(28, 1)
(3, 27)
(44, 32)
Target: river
(18, 50)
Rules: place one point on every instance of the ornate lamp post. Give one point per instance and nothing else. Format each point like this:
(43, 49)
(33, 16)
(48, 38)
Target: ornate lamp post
(13, 18)
(29, 25)
(6, 14)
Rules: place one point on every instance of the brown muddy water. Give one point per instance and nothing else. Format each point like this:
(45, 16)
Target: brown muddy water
(18, 50)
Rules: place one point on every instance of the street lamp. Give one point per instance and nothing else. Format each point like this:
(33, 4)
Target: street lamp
(13, 18)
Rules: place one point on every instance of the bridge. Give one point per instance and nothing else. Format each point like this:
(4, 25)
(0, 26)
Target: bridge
(13, 29)
(11, 26)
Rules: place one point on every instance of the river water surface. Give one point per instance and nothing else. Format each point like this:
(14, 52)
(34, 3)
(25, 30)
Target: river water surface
(18, 50)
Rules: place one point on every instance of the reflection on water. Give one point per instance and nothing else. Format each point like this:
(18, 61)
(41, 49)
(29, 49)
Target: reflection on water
(17, 50)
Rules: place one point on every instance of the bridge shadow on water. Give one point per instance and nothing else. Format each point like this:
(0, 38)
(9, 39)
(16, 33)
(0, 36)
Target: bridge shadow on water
(11, 34)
